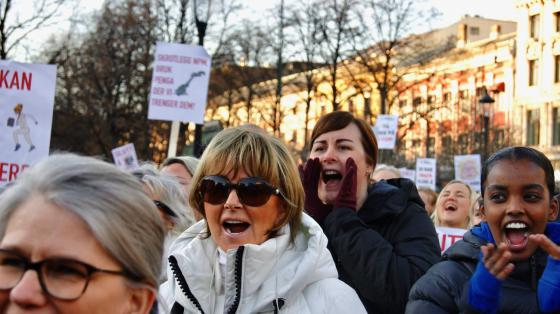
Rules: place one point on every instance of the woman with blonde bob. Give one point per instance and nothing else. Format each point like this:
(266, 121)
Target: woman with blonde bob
(254, 252)
(453, 205)
(77, 235)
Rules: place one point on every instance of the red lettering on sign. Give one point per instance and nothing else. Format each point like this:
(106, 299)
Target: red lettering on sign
(9, 171)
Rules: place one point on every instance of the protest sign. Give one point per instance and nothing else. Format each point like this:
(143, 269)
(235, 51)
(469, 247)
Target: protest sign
(179, 83)
(125, 157)
(408, 173)
(26, 111)
(386, 131)
(426, 173)
(448, 236)
(467, 169)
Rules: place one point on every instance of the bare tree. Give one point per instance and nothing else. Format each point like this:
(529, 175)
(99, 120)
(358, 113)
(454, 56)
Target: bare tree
(336, 30)
(14, 29)
(104, 84)
(385, 48)
(306, 24)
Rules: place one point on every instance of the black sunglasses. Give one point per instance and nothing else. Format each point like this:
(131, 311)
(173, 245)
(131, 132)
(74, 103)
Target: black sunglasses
(164, 208)
(252, 191)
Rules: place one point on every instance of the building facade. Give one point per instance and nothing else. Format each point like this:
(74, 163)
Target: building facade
(537, 92)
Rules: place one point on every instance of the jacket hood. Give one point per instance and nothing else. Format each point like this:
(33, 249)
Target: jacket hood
(275, 269)
(393, 195)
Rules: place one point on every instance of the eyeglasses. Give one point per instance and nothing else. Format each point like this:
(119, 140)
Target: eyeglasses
(164, 208)
(252, 191)
(60, 278)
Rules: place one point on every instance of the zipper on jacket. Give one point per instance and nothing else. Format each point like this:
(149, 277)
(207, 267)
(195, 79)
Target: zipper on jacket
(183, 282)
(238, 268)
(278, 304)
(533, 272)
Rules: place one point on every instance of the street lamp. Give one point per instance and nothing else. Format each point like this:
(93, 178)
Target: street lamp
(486, 103)
(201, 16)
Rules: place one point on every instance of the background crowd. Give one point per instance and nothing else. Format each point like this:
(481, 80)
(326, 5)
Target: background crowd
(247, 230)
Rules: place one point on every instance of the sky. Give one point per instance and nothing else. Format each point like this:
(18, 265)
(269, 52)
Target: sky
(451, 11)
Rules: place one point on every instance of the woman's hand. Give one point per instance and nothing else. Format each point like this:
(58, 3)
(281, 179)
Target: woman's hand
(310, 174)
(546, 244)
(549, 285)
(347, 195)
(486, 281)
(497, 261)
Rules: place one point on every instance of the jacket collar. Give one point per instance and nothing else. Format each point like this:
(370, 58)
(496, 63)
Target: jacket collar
(272, 270)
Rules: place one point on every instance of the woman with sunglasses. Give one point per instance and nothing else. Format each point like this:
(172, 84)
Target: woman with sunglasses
(255, 252)
(77, 235)
(379, 234)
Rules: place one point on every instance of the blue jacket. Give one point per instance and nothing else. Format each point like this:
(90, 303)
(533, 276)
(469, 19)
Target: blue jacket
(445, 287)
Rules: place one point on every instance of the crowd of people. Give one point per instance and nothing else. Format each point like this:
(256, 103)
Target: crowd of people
(247, 230)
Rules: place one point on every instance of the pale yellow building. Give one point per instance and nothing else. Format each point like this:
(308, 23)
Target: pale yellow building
(537, 92)
(516, 62)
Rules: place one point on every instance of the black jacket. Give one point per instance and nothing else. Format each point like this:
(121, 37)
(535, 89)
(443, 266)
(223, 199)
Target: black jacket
(383, 248)
(444, 288)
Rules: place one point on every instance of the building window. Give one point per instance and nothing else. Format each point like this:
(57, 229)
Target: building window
(533, 72)
(474, 31)
(557, 69)
(447, 97)
(556, 126)
(557, 21)
(417, 101)
(431, 99)
(533, 127)
(534, 21)
(402, 103)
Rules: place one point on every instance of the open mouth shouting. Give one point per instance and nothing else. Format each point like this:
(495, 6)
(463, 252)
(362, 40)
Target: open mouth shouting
(235, 227)
(516, 234)
(450, 207)
(331, 177)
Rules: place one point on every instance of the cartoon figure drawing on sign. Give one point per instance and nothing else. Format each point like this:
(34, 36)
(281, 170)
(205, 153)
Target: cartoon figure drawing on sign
(21, 127)
(182, 89)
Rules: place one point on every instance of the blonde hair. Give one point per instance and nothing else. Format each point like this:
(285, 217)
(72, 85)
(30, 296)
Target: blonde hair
(258, 154)
(472, 199)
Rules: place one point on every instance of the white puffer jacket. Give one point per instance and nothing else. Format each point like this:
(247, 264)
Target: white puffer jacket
(274, 277)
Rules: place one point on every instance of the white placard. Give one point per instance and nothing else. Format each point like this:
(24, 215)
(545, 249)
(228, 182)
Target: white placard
(385, 130)
(448, 236)
(408, 173)
(426, 173)
(467, 169)
(26, 111)
(179, 83)
(125, 157)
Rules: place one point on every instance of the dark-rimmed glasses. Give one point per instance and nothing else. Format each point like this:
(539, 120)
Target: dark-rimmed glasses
(60, 278)
(164, 208)
(252, 191)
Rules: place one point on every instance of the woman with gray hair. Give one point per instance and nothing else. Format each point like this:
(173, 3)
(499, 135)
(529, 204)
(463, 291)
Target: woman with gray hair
(182, 168)
(167, 194)
(77, 235)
